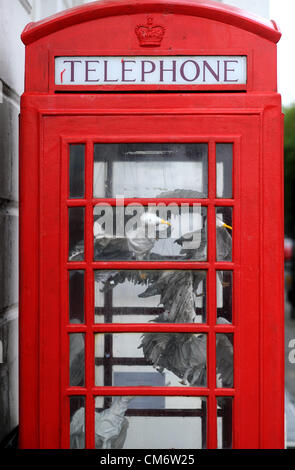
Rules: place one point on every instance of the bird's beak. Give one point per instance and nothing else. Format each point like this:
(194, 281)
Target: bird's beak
(165, 222)
(227, 226)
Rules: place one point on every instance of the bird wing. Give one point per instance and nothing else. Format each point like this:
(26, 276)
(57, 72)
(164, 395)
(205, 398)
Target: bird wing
(77, 429)
(112, 248)
(194, 243)
(77, 359)
(78, 421)
(224, 359)
(110, 279)
(177, 290)
(184, 354)
(224, 244)
(111, 424)
(77, 253)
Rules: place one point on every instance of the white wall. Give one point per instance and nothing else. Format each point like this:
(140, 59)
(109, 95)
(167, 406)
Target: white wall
(44, 8)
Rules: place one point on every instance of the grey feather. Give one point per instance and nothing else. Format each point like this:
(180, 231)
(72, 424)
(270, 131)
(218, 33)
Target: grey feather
(110, 426)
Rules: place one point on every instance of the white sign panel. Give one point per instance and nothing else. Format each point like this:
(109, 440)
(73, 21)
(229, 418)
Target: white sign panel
(151, 70)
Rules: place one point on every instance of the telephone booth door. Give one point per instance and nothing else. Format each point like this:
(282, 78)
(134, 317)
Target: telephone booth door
(161, 324)
(150, 305)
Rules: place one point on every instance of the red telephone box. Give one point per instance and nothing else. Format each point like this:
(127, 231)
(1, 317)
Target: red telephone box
(151, 266)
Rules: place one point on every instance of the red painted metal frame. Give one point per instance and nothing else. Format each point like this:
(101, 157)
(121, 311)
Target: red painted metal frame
(89, 265)
(200, 8)
(251, 118)
(192, 27)
(258, 397)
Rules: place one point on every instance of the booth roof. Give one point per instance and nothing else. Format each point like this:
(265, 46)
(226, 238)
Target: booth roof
(201, 8)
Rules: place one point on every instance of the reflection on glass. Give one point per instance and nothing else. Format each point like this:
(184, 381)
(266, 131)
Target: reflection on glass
(77, 360)
(224, 170)
(224, 233)
(150, 296)
(77, 171)
(150, 359)
(76, 233)
(151, 422)
(224, 291)
(77, 423)
(224, 360)
(151, 170)
(154, 233)
(76, 296)
(224, 422)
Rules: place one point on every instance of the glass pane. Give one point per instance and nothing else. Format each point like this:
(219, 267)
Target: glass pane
(150, 296)
(77, 423)
(150, 359)
(153, 233)
(151, 170)
(76, 296)
(224, 360)
(150, 422)
(77, 360)
(224, 233)
(224, 291)
(76, 233)
(224, 170)
(77, 171)
(224, 422)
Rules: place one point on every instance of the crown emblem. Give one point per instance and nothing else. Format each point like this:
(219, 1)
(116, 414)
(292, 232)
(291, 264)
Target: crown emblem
(150, 34)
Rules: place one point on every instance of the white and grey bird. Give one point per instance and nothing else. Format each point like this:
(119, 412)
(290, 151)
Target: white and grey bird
(142, 239)
(110, 426)
(137, 243)
(194, 244)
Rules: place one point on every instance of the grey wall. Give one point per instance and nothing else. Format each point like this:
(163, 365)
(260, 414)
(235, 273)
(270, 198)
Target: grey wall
(14, 15)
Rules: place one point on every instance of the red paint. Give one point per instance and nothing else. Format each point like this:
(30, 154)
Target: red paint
(199, 8)
(150, 34)
(250, 118)
(61, 75)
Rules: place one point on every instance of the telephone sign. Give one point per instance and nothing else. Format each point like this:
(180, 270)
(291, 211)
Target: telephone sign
(181, 70)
